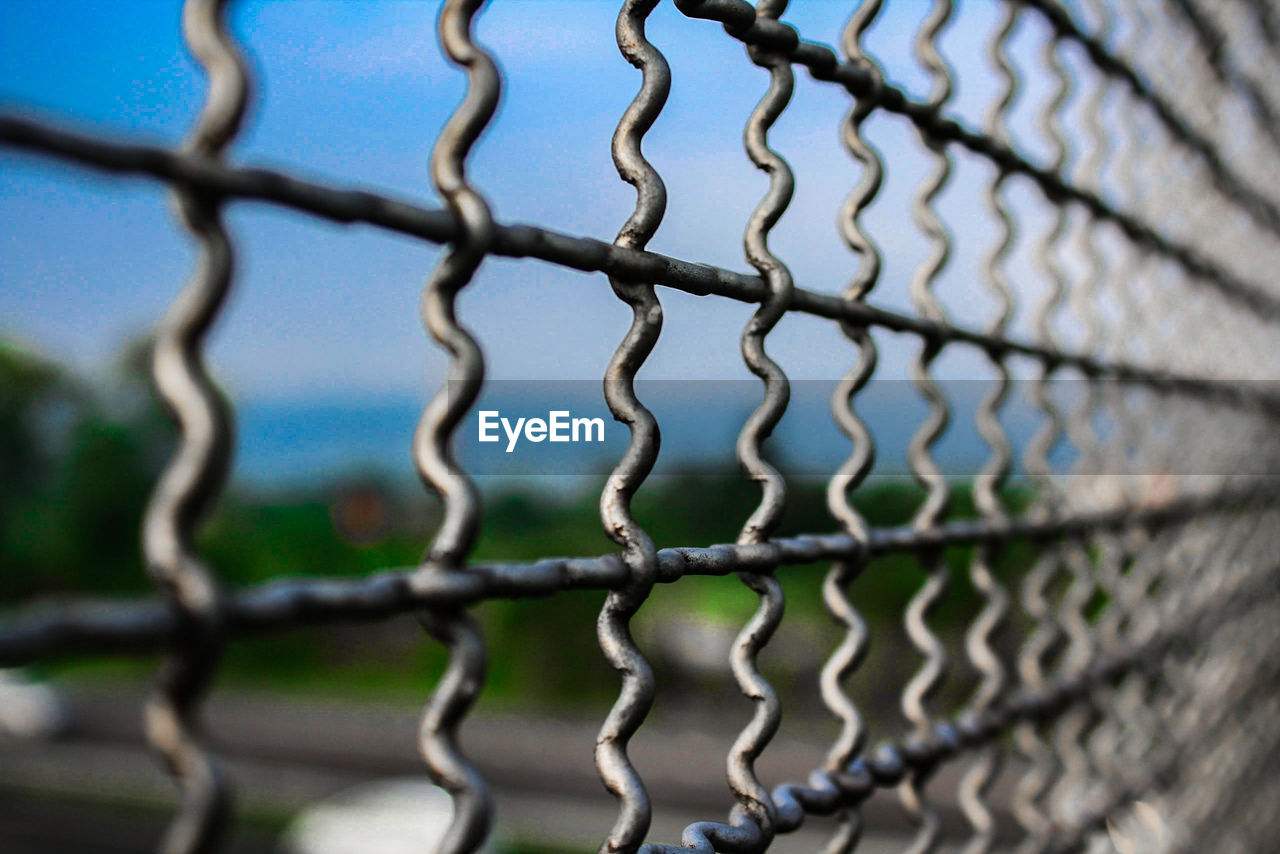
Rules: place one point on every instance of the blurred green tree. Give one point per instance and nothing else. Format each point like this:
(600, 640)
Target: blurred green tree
(77, 463)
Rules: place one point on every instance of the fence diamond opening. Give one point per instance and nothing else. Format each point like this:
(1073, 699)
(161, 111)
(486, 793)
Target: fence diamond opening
(1165, 695)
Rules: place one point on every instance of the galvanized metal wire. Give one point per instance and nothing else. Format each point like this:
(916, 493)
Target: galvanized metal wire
(190, 484)
(1127, 672)
(433, 455)
(616, 771)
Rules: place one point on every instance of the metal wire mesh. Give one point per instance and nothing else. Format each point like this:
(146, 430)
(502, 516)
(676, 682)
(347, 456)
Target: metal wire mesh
(1160, 703)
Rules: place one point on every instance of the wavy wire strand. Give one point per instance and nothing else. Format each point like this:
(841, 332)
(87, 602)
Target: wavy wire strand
(638, 551)
(1033, 656)
(1140, 728)
(1230, 184)
(1073, 728)
(741, 22)
(752, 821)
(923, 468)
(1212, 41)
(432, 451)
(753, 798)
(756, 818)
(981, 774)
(1182, 722)
(853, 648)
(1121, 564)
(194, 477)
(349, 207)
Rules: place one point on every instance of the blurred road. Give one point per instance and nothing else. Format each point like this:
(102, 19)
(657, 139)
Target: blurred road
(97, 787)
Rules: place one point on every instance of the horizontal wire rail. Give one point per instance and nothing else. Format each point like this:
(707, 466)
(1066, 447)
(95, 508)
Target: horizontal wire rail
(890, 763)
(1262, 208)
(741, 22)
(1103, 708)
(579, 253)
(106, 628)
(1214, 44)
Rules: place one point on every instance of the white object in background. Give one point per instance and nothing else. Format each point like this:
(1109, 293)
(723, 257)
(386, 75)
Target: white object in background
(400, 816)
(29, 709)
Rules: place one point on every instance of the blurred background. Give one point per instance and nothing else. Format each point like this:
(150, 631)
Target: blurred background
(321, 350)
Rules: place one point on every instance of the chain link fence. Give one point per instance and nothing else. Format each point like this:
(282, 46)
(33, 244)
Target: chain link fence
(1138, 713)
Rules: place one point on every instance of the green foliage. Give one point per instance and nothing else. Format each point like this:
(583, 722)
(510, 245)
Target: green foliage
(28, 385)
(79, 472)
(76, 480)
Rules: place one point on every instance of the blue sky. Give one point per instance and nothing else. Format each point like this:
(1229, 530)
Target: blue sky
(354, 93)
